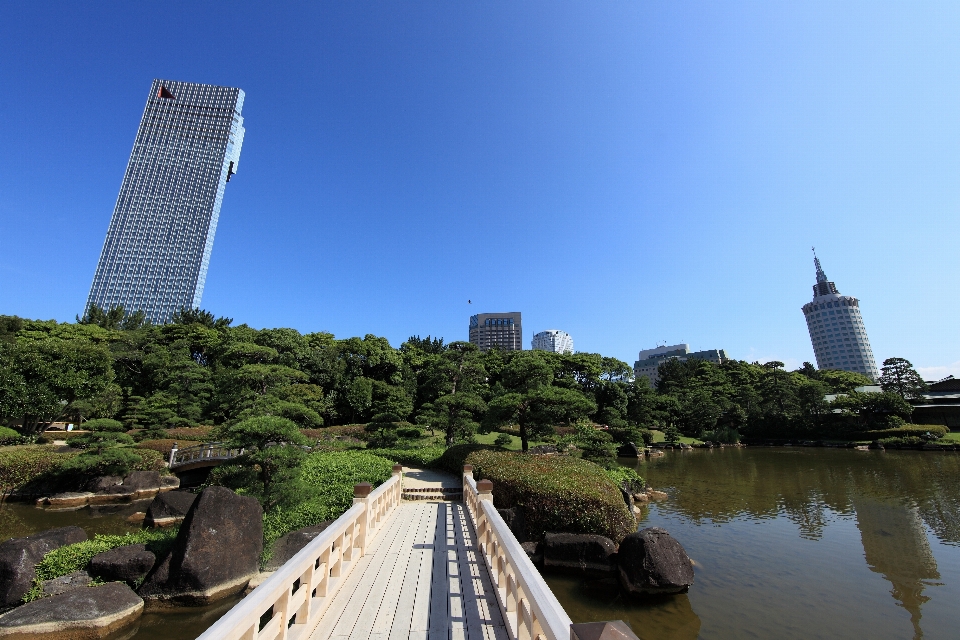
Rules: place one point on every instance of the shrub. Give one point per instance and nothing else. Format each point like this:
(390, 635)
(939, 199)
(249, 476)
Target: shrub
(151, 433)
(99, 440)
(103, 424)
(456, 456)
(556, 493)
(328, 479)
(9, 436)
(76, 557)
(626, 478)
(22, 465)
(409, 432)
(421, 457)
(503, 440)
(164, 446)
(194, 434)
(110, 462)
(348, 430)
(909, 430)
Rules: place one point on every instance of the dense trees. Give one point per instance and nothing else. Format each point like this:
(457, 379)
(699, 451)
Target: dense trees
(200, 369)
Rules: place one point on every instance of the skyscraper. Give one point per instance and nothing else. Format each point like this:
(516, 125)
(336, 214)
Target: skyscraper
(157, 250)
(552, 340)
(503, 330)
(836, 329)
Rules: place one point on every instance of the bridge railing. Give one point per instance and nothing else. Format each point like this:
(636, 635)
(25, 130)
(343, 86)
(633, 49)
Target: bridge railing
(200, 452)
(528, 605)
(288, 605)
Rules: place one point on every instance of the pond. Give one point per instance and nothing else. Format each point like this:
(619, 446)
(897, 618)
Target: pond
(798, 543)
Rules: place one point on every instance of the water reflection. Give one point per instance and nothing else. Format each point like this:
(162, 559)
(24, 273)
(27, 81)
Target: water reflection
(797, 543)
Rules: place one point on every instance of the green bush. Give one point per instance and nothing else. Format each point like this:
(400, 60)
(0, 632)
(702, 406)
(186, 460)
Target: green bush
(328, 479)
(557, 493)
(422, 457)
(456, 456)
(627, 478)
(76, 557)
(194, 434)
(164, 446)
(503, 440)
(409, 432)
(7, 435)
(99, 440)
(103, 424)
(909, 430)
(117, 461)
(21, 465)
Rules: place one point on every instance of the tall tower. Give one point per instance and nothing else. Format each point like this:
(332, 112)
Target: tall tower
(503, 330)
(552, 340)
(836, 329)
(157, 250)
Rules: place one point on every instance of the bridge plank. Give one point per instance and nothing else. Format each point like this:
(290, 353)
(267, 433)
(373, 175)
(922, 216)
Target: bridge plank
(396, 612)
(420, 600)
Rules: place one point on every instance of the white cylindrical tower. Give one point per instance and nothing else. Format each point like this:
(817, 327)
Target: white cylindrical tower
(836, 328)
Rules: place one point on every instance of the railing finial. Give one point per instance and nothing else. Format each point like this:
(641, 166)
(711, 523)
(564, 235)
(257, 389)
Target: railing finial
(397, 469)
(362, 490)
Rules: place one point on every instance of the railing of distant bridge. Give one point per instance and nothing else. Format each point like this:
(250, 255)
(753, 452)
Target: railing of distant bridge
(201, 452)
(288, 605)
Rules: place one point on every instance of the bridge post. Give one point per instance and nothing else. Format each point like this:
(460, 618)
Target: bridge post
(485, 489)
(468, 470)
(397, 492)
(361, 495)
(173, 454)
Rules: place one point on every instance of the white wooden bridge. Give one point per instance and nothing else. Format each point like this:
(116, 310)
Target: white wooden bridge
(389, 569)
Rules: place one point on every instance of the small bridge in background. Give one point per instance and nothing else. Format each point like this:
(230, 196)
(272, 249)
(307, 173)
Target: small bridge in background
(208, 454)
(390, 569)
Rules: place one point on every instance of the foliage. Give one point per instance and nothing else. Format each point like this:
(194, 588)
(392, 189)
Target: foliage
(911, 430)
(898, 376)
(9, 436)
(196, 434)
(328, 480)
(76, 557)
(594, 444)
(103, 424)
(456, 456)
(114, 461)
(726, 435)
(21, 465)
(503, 440)
(556, 493)
(418, 457)
(164, 446)
(99, 440)
(626, 478)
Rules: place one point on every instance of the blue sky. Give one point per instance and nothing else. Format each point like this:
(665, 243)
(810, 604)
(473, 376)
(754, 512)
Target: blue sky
(631, 172)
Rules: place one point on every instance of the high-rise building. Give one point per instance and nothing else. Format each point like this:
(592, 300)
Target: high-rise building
(501, 330)
(649, 360)
(553, 340)
(836, 329)
(158, 246)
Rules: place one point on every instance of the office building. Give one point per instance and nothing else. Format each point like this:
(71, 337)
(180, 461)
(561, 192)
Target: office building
(836, 329)
(649, 360)
(158, 245)
(501, 330)
(553, 340)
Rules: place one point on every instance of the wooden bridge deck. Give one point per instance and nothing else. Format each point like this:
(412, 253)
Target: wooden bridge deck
(421, 579)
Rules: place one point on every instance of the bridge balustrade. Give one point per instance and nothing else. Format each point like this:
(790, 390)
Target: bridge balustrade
(289, 604)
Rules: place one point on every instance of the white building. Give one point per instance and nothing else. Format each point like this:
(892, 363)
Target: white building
(553, 340)
(649, 360)
(836, 329)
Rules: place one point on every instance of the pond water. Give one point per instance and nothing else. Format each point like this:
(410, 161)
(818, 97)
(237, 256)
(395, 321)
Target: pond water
(798, 543)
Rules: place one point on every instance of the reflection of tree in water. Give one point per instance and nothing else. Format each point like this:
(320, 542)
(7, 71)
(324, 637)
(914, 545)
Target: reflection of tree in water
(895, 545)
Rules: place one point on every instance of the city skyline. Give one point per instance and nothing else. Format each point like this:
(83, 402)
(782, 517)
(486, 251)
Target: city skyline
(158, 246)
(637, 174)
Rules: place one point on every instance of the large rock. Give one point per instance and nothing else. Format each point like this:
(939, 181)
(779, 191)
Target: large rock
(290, 544)
(581, 552)
(137, 484)
(216, 552)
(169, 508)
(103, 483)
(75, 580)
(79, 614)
(123, 564)
(19, 557)
(651, 561)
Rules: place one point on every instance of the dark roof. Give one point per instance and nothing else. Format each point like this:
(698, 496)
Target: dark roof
(949, 384)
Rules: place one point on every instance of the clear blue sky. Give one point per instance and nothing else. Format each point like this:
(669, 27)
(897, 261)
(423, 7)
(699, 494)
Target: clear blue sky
(631, 172)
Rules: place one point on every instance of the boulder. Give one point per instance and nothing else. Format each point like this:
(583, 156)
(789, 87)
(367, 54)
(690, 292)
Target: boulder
(75, 580)
(169, 508)
(651, 561)
(543, 449)
(137, 484)
(103, 483)
(215, 554)
(579, 552)
(290, 544)
(169, 482)
(79, 614)
(19, 557)
(123, 564)
(629, 450)
(67, 500)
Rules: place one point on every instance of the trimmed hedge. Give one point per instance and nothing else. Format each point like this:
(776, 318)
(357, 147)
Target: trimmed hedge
(165, 446)
(193, 434)
(422, 457)
(557, 493)
(328, 480)
(910, 430)
(21, 465)
(456, 456)
(627, 478)
(76, 557)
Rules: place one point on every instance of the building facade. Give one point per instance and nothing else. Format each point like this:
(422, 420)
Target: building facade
(552, 340)
(503, 330)
(158, 245)
(836, 328)
(649, 360)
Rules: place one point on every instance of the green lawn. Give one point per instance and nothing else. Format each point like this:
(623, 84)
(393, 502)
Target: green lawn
(953, 435)
(488, 438)
(659, 437)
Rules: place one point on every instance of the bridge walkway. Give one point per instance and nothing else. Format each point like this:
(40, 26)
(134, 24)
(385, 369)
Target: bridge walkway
(423, 578)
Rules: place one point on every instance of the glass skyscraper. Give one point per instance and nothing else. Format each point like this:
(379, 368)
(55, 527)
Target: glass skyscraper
(158, 245)
(836, 328)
